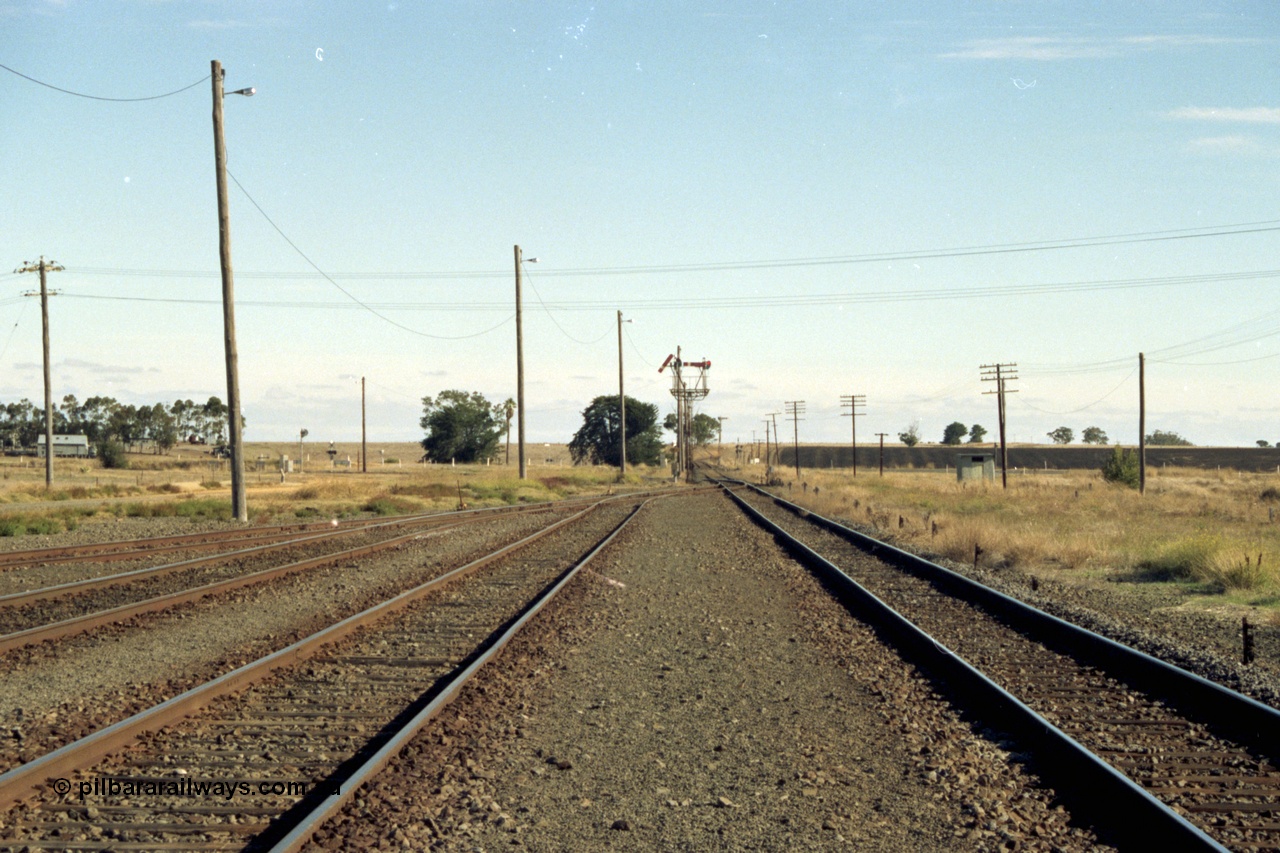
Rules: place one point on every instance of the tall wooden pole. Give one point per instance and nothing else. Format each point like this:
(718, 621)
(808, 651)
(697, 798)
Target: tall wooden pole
(235, 432)
(1142, 424)
(622, 406)
(48, 383)
(44, 268)
(1004, 446)
(882, 435)
(524, 467)
(364, 444)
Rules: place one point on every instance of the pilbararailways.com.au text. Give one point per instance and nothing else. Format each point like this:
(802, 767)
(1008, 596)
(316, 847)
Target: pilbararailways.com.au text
(186, 786)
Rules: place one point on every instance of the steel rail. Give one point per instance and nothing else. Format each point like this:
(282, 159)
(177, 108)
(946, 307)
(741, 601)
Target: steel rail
(1247, 719)
(25, 780)
(307, 825)
(1120, 804)
(125, 549)
(75, 587)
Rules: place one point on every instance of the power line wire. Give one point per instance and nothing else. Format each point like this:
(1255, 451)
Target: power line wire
(1263, 226)
(1090, 405)
(820, 299)
(99, 97)
(348, 294)
(529, 279)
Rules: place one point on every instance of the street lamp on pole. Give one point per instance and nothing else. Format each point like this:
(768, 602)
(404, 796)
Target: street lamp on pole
(235, 431)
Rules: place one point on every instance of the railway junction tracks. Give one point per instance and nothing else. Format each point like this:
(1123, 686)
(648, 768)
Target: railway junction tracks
(1162, 757)
(259, 756)
(241, 558)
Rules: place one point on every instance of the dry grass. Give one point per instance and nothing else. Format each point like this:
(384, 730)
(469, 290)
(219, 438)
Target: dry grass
(1216, 529)
(321, 491)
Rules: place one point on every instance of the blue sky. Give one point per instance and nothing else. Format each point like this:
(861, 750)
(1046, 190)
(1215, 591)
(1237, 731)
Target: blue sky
(821, 198)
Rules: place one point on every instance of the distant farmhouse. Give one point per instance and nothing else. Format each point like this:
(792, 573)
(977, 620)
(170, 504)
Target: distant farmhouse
(66, 445)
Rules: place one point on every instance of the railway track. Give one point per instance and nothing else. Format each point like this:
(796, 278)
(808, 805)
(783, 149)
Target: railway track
(1160, 755)
(257, 757)
(50, 613)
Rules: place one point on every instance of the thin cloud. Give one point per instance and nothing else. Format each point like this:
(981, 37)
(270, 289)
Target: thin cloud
(1225, 145)
(1253, 115)
(225, 24)
(1056, 48)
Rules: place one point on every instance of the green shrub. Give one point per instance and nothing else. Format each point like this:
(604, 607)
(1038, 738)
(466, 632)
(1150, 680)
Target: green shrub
(1121, 467)
(112, 454)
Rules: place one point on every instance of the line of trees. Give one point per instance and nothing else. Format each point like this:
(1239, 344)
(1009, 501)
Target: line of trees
(157, 426)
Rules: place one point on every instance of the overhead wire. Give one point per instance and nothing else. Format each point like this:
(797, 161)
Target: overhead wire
(100, 97)
(1233, 229)
(1090, 405)
(346, 292)
(529, 278)
(14, 330)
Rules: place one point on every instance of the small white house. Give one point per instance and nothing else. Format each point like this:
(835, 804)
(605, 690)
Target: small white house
(65, 445)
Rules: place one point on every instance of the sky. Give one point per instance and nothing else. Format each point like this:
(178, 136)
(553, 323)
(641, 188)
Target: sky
(822, 198)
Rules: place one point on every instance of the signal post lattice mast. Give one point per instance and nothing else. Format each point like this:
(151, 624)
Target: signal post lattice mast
(685, 393)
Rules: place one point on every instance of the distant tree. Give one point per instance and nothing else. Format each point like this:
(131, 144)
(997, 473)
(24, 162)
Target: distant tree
(1093, 435)
(1062, 435)
(1262, 442)
(703, 429)
(508, 410)
(20, 423)
(1121, 467)
(954, 432)
(460, 426)
(910, 436)
(597, 441)
(976, 432)
(669, 422)
(1168, 439)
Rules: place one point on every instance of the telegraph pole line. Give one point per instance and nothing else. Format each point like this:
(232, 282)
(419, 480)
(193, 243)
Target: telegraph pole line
(777, 451)
(720, 439)
(1142, 424)
(235, 426)
(364, 435)
(622, 406)
(795, 408)
(44, 268)
(524, 468)
(854, 402)
(1001, 374)
(882, 435)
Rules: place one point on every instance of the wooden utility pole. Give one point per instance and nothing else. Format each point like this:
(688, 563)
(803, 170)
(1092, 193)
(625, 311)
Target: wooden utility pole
(44, 268)
(1000, 374)
(766, 449)
(777, 447)
(853, 402)
(622, 407)
(235, 429)
(720, 439)
(882, 435)
(364, 436)
(1142, 424)
(795, 408)
(524, 467)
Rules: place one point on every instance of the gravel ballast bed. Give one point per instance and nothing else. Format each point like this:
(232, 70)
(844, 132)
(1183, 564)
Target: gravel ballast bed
(56, 692)
(698, 690)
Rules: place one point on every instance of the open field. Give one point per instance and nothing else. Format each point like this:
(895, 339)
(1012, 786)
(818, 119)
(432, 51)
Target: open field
(190, 483)
(1038, 456)
(1211, 535)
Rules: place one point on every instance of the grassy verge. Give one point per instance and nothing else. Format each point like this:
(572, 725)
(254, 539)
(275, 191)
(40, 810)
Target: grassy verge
(1214, 532)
